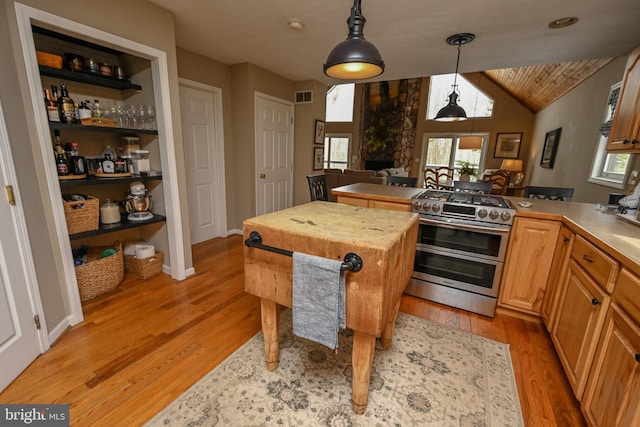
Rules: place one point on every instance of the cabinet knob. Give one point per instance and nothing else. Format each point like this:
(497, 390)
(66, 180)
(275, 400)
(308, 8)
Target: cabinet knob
(595, 301)
(634, 142)
(565, 239)
(637, 357)
(626, 141)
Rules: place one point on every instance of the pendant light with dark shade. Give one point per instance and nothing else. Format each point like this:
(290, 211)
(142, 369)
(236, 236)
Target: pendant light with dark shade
(453, 112)
(355, 58)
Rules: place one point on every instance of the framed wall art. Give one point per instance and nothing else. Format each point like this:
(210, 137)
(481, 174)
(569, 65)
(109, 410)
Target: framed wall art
(319, 134)
(508, 145)
(551, 141)
(318, 158)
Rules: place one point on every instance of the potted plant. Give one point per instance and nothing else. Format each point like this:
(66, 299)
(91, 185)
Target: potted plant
(466, 170)
(380, 135)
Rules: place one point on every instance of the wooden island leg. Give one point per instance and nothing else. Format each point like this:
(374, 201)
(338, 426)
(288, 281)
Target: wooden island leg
(270, 326)
(362, 359)
(389, 327)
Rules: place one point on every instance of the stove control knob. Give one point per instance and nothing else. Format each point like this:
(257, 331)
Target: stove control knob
(426, 207)
(494, 214)
(506, 216)
(417, 205)
(482, 213)
(435, 208)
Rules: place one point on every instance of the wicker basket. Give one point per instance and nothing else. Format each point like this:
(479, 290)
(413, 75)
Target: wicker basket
(100, 275)
(145, 267)
(82, 215)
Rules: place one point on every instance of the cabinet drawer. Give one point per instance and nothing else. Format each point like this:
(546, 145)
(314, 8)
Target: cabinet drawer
(627, 294)
(600, 266)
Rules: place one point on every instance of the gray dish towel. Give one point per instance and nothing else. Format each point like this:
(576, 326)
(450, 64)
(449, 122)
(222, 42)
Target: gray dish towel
(318, 299)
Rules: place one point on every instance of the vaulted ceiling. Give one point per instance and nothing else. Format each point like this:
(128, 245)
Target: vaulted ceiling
(536, 63)
(537, 86)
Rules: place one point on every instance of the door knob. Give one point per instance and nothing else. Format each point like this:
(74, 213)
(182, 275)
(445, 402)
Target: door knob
(262, 176)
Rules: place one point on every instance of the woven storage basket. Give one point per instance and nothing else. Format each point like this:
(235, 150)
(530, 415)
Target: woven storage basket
(100, 275)
(145, 267)
(81, 219)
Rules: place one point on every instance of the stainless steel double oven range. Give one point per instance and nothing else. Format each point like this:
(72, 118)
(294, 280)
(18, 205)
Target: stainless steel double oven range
(462, 243)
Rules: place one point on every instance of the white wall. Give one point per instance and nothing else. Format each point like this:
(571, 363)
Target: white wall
(579, 113)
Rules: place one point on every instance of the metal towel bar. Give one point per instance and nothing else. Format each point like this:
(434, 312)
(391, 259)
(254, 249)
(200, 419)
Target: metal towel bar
(352, 261)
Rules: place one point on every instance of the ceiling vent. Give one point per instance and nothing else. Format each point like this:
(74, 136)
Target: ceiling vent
(304, 96)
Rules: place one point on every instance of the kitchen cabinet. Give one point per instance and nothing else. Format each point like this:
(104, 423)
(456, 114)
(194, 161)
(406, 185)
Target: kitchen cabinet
(559, 266)
(613, 391)
(624, 136)
(584, 297)
(378, 196)
(529, 258)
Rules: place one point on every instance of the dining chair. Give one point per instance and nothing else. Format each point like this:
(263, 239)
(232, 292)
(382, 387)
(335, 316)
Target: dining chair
(549, 193)
(440, 178)
(402, 181)
(498, 180)
(317, 187)
(472, 186)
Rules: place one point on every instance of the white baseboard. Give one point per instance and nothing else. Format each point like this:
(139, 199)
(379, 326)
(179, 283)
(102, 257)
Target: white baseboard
(59, 330)
(234, 231)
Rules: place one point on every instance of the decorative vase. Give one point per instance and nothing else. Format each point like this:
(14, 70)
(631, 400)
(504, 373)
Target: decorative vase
(464, 177)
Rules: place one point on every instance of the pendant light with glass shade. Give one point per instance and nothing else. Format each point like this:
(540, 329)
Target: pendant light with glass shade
(453, 112)
(355, 58)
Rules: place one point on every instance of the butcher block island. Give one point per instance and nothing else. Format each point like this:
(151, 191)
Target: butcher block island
(383, 239)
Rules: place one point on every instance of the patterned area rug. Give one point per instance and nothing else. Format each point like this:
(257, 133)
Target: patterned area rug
(433, 375)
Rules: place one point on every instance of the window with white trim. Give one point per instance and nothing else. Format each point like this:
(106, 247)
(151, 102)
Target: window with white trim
(609, 169)
(337, 149)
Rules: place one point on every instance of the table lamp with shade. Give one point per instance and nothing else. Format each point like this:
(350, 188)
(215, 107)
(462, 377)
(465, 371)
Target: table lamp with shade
(511, 165)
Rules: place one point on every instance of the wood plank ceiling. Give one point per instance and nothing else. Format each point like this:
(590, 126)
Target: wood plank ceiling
(538, 86)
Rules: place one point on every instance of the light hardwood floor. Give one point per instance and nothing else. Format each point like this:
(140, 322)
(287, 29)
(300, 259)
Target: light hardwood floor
(148, 341)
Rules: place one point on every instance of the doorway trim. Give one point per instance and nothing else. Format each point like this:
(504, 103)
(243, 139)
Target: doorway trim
(25, 16)
(22, 233)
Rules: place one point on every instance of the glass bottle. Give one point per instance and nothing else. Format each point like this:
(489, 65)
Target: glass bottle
(66, 106)
(62, 165)
(52, 109)
(78, 162)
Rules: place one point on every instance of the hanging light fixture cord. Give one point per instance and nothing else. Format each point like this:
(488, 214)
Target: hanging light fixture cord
(455, 77)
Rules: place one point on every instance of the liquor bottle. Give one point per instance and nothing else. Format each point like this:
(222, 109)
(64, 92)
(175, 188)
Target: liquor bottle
(54, 94)
(78, 162)
(97, 110)
(66, 106)
(84, 111)
(52, 109)
(62, 164)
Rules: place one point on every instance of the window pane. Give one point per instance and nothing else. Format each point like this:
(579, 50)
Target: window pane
(336, 151)
(472, 157)
(438, 152)
(616, 164)
(475, 102)
(340, 103)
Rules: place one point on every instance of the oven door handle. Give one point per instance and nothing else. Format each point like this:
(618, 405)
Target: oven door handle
(463, 226)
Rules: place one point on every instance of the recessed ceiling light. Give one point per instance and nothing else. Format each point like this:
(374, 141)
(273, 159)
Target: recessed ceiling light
(295, 24)
(563, 22)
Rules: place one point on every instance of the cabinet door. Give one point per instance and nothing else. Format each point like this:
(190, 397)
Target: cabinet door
(613, 391)
(582, 305)
(556, 276)
(529, 257)
(626, 121)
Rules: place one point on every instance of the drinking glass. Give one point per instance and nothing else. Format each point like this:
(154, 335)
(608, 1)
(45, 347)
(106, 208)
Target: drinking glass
(140, 112)
(150, 117)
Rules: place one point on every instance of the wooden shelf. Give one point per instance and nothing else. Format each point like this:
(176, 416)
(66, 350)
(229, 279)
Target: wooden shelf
(122, 225)
(88, 78)
(125, 131)
(90, 181)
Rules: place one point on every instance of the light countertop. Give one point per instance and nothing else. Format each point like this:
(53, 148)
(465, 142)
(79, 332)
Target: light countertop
(619, 237)
(391, 193)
